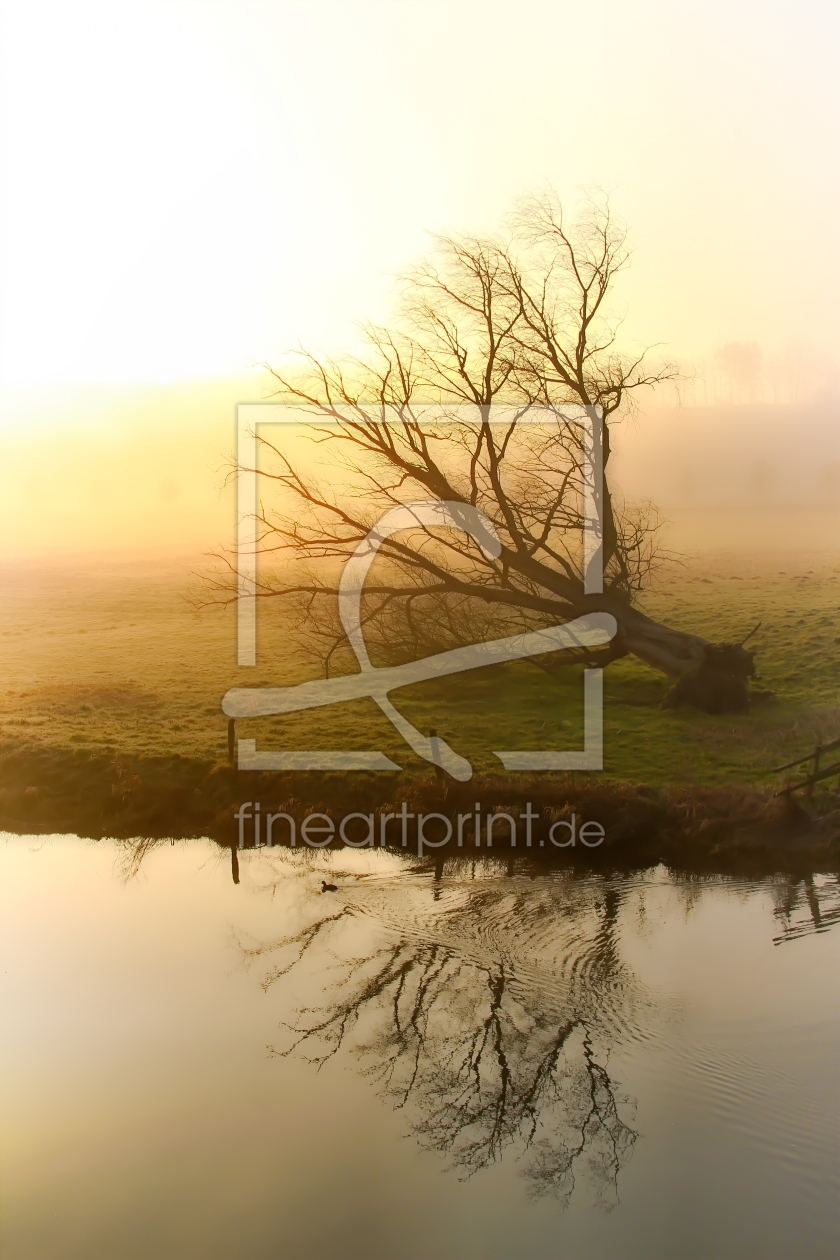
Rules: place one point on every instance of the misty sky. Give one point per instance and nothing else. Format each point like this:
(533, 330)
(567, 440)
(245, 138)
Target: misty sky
(191, 188)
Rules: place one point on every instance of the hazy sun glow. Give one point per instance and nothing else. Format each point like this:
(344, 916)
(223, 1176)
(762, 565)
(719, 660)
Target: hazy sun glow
(193, 188)
(197, 186)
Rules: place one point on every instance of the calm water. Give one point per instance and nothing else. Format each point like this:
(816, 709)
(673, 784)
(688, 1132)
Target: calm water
(486, 1065)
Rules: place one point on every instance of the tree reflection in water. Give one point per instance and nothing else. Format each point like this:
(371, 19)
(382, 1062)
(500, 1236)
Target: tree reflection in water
(489, 1014)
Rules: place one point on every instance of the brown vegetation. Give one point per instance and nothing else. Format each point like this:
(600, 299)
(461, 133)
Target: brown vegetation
(98, 795)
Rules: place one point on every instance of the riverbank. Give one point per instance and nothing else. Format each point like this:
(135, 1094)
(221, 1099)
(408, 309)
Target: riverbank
(549, 817)
(111, 725)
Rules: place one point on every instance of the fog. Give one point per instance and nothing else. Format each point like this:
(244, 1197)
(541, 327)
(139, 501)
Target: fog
(141, 471)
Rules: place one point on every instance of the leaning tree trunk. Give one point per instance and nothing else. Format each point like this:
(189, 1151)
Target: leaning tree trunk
(710, 676)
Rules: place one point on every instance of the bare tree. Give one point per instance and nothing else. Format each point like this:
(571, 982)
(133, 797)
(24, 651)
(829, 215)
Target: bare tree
(484, 324)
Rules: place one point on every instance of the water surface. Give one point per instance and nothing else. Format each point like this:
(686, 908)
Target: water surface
(482, 1064)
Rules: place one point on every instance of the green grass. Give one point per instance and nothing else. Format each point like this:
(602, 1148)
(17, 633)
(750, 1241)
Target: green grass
(115, 660)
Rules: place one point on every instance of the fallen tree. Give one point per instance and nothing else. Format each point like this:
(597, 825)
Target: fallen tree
(488, 330)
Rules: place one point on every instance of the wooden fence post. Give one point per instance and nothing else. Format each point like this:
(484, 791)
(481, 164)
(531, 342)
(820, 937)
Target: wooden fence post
(809, 791)
(435, 753)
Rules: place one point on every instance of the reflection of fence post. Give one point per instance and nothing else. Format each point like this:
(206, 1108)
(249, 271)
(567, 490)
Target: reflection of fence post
(231, 739)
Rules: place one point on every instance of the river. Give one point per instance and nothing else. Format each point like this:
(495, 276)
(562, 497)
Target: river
(483, 1060)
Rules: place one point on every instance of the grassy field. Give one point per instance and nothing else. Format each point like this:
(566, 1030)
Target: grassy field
(112, 658)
